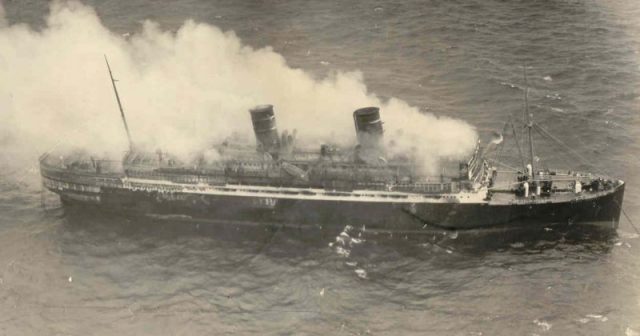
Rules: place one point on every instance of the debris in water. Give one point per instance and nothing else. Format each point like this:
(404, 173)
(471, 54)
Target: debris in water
(554, 96)
(361, 273)
(342, 252)
(352, 263)
(547, 78)
(324, 63)
(322, 292)
(70, 279)
(517, 245)
(513, 86)
(340, 239)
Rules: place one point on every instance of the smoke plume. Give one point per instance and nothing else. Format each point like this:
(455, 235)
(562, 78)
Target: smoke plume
(182, 91)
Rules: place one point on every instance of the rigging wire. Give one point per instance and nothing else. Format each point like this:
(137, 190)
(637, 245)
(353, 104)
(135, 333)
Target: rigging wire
(546, 133)
(500, 146)
(627, 217)
(515, 136)
(578, 117)
(584, 160)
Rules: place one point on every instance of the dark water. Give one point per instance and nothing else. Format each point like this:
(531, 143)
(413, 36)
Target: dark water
(79, 274)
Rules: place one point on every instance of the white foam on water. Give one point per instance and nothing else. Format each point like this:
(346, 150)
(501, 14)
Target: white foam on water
(628, 235)
(544, 325)
(597, 317)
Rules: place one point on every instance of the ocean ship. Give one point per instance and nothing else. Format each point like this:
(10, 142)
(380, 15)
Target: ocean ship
(276, 182)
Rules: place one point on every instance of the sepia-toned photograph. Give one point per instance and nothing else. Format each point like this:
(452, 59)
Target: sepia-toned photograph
(298, 167)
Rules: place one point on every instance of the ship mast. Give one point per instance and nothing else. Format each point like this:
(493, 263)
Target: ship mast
(124, 119)
(529, 117)
(515, 136)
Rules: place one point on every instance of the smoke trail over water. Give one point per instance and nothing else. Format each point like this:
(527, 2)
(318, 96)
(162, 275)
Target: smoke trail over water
(182, 91)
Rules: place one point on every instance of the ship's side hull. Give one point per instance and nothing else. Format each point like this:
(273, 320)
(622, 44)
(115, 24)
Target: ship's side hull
(601, 210)
(392, 214)
(268, 210)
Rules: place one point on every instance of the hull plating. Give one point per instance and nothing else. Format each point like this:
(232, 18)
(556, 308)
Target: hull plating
(392, 215)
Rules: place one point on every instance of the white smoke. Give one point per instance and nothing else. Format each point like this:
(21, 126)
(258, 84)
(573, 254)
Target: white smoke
(182, 91)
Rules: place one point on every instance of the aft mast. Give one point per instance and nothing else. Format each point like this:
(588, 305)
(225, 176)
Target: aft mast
(529, 117)
(124, 119)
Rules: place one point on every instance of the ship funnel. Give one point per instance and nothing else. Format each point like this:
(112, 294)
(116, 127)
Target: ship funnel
(264, 125)
(368, 126)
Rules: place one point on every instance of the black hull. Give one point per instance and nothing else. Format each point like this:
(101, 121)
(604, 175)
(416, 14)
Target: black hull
(603, 211)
